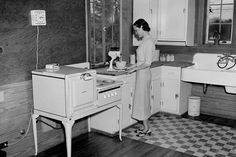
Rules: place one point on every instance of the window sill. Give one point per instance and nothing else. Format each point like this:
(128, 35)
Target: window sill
(220, 46)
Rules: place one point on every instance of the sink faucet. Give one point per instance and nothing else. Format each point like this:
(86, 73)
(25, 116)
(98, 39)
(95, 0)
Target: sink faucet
(224, 61)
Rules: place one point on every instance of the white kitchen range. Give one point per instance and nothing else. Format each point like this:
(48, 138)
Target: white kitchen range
(68, 94)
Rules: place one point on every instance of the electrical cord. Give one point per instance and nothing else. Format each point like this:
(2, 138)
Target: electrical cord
(27, 130)
(37, 48)
(26, 133)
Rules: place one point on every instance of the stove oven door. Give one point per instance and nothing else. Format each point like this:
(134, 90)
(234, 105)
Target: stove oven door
(81, 92)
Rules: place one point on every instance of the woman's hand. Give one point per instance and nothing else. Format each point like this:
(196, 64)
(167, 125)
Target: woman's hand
(131, 68)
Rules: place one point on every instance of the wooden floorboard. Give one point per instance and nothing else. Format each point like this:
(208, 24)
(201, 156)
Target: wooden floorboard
(98, 145)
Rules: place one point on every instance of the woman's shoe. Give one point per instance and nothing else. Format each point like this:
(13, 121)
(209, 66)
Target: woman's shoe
(143, 133)
(138, 130)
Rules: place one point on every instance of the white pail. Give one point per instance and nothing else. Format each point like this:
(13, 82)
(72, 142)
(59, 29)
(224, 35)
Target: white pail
(194, 106)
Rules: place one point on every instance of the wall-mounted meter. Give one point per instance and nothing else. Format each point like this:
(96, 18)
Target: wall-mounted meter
(38, 17)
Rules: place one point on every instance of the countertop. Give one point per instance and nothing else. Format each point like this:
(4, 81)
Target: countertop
(174, 64)
(181, 64)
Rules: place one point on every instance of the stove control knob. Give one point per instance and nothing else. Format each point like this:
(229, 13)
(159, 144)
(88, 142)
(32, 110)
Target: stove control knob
(112, 94)
(104, 96)
(115, 93)
(108, 95)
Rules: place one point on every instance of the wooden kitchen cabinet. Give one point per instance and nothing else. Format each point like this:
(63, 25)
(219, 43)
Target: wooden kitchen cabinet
(168, 93)
(174, 92)
(171, 22)
(176, 22)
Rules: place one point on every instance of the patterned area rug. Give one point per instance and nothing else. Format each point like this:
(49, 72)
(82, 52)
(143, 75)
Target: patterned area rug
(188, 136)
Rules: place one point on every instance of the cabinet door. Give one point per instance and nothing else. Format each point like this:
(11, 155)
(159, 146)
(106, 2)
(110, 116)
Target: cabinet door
(147, 10)
(126, 105)
(155, 96)
(127, 99)
(141, 9)
(156, 89)
(170, 96)
(172, 20)
(132, 83)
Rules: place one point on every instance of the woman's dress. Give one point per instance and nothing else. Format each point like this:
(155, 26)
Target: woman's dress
(141, 106)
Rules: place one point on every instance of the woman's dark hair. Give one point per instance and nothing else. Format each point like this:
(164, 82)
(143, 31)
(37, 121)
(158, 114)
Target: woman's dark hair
(142, 23)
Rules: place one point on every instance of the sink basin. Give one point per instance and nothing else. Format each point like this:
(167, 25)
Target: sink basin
(207, 76)
(206, 71)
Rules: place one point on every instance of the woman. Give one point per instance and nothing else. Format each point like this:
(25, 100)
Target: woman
(141, 106)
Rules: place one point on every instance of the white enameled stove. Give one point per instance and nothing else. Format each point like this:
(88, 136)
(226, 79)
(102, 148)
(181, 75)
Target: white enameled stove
(69, 94)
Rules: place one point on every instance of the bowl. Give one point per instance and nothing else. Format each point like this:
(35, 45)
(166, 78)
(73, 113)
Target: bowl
(120, 64)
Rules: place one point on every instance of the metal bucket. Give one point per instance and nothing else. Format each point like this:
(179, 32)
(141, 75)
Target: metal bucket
(194, 106)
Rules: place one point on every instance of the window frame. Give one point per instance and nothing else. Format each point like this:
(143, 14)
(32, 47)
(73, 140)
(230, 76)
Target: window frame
(88, 35)
(220, 23)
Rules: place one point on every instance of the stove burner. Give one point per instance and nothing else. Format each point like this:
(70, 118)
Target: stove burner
(104, 82)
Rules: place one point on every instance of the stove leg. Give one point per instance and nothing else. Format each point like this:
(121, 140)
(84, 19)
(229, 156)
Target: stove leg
(68, 130)
(89, 124)
(120, 121)
(34, 118)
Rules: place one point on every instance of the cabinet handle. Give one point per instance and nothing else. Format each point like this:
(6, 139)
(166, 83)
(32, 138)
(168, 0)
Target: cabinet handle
(130, 106)
(152, 96)
(184, 10)
(176, 96)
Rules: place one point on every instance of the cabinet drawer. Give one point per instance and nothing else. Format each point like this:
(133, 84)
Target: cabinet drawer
(171, 72)
(156, 73)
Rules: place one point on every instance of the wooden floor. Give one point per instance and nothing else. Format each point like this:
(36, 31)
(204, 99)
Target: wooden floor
(98, 145)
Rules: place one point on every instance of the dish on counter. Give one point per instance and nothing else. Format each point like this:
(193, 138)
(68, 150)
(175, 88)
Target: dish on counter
(121, 64)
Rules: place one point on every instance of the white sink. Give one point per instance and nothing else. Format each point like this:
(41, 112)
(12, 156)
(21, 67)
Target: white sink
(206, 71)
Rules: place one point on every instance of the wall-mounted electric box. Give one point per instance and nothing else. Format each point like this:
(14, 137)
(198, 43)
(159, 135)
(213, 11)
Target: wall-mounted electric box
(38, 17)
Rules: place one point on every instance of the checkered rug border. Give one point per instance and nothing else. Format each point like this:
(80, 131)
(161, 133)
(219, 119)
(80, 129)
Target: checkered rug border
(189, 136)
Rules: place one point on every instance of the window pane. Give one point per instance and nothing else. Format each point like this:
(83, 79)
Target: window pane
(214, 14)
(213, 29)
(116, 36)
(98, 56)
(214, 2)
(228, 1)
(104, 27)
(225, 32)
(227, 13)
(220, 21)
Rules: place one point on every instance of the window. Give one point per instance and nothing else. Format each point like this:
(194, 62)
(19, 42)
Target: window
(103, 29)
(219, 21)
